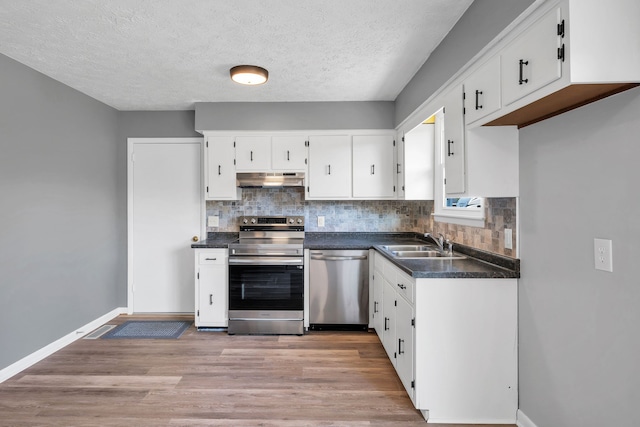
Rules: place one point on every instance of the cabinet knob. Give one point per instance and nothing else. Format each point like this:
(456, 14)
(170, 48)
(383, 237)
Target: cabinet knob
(195, 238)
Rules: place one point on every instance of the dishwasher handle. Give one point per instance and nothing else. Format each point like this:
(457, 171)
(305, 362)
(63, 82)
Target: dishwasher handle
(337, 258)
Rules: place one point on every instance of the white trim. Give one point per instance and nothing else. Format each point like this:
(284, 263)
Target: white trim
(460, 220)
(305, 132)
(203, 203)
(49, 349)
(473, 421)
(523, 421)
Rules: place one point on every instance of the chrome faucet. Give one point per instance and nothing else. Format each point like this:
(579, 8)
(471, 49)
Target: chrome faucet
(440, 241)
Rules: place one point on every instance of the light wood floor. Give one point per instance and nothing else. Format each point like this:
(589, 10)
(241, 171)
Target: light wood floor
(212, 379)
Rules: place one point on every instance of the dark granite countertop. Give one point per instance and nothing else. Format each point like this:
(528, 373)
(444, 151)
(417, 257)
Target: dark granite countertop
(478, 264)
(216, 240)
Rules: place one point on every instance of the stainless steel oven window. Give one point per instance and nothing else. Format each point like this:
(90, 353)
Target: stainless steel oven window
(266, 287)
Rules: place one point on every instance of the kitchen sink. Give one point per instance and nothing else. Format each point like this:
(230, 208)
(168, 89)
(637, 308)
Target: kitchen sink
(419, 251)
(397, 248)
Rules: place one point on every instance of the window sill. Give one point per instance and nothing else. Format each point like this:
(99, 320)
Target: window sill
(460, 220)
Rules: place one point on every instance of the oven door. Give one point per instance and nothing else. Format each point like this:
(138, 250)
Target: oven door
(266, 283)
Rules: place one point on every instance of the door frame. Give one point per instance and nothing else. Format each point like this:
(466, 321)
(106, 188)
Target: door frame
(130, 163)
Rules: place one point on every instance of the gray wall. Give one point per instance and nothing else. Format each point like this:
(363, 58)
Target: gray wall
(579, 327)
(484, 20)
(294, 115)
(61, 264)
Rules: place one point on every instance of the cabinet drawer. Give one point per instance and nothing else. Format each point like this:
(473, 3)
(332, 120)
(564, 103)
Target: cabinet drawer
(213, 257)
(405, 285)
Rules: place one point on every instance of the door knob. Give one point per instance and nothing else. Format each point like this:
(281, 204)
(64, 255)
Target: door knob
(195, 238)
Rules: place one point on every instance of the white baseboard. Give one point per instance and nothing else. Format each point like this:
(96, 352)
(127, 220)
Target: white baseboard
(523, 420)
(48, 350)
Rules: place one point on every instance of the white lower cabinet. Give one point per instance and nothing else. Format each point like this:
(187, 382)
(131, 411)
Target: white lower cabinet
(211, 288)
(453, 343)
(377, 317)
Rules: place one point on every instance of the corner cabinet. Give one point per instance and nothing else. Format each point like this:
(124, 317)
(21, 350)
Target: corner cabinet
(220, 169)
(453, 343)
(211, 304)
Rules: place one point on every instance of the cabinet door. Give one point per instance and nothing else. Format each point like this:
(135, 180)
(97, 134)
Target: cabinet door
(253, 153)
(289, 153)
(329, 167)
(212, 296)
(389, 322)
(482, 91)
(378, 315)
(373, 171)
(404, 344)
(531, 61)
(221, 171)
(211, 287)
(419, 160)
(454, 149)
(400, 167)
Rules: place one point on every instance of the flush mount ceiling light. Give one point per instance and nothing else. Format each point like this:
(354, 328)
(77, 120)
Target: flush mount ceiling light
(249, 74)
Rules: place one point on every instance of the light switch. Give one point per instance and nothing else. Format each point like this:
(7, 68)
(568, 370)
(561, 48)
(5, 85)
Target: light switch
(603, 254)
(213, 221)
(321, 221)
(508, 238)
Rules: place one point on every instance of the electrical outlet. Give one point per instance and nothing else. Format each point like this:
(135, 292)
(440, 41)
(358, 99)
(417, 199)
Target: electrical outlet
(603, 254)
(213, 221)
(508, 238)
(321, 221)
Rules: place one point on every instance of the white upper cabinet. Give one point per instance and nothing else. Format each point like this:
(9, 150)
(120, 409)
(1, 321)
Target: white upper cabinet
(329, 169)
(533, 60)
(253, 153)
(289, 153)
(454, 144)
(220, 170)
(373, 167)
(482, 91)
(415, 167)
(567, 53)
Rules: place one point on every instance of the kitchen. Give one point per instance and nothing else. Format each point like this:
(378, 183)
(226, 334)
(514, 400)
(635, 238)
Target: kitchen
(577, 326)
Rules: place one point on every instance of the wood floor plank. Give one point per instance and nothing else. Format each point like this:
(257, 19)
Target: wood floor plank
(320, 379)
(98, 381)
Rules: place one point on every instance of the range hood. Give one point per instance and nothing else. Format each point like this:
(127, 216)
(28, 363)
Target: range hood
(270, 179)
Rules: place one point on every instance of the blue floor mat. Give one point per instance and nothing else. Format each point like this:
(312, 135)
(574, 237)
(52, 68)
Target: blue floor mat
(148, 329)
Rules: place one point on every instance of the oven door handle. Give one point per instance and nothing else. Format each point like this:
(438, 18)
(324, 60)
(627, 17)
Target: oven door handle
(266, 261)
(338, 258)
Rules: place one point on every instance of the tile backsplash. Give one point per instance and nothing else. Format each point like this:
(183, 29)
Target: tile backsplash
(366, 216)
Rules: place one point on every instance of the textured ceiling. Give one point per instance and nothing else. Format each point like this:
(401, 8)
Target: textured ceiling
(168, 54)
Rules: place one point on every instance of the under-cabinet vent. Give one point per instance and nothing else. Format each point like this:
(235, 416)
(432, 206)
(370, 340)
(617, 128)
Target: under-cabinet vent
(99, 332)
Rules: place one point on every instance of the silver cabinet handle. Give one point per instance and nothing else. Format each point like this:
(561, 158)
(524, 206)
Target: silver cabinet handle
(252, 156)
(338, 258)
(522, 79)
(210, 259)
(373, 169)
(329, 169)
(287, 155)
(210, 299)
(219, 170)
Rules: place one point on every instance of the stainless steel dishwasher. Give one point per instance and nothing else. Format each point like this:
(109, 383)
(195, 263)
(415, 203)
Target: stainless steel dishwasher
(339, 289)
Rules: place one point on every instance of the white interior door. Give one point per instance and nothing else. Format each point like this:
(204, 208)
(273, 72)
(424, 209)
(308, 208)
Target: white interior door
(165, 212)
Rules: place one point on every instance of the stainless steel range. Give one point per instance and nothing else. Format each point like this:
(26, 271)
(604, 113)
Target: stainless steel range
(266, 277)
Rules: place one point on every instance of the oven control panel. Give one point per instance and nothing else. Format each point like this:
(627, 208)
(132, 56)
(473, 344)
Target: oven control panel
(272, 220)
